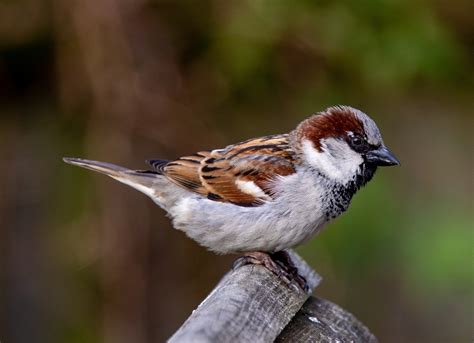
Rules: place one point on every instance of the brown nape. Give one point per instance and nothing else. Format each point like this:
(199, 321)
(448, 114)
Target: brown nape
(334, 122)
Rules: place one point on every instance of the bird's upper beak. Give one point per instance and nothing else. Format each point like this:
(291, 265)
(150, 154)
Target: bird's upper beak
(382, 157)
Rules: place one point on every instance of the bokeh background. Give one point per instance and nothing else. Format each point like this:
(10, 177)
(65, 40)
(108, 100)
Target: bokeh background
(85, 259)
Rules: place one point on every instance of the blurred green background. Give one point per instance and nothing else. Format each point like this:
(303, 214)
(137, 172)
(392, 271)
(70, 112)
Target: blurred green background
(85, 259)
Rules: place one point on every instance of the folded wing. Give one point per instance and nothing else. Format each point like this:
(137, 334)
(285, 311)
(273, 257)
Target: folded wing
(241, 174)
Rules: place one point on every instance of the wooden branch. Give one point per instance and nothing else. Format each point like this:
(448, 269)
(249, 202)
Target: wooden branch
(320, 320)
(251, 304)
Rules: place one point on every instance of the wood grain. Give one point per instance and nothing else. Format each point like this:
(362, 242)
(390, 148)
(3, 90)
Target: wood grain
(320, 320)
(250, 304)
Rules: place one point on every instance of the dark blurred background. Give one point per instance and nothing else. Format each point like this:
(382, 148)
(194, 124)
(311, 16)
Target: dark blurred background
(85, 259)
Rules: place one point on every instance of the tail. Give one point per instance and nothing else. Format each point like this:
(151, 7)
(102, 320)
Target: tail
(142, 181)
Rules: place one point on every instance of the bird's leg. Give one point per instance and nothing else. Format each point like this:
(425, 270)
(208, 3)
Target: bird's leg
(282, 267)
(283, 259)
(261, 258)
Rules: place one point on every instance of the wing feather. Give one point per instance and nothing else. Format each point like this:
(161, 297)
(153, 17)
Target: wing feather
(241, 173)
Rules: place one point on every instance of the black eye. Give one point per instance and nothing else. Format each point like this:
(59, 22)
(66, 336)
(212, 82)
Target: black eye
(357, 141)
(358, 144)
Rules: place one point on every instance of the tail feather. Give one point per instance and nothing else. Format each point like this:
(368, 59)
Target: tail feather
(101, 167)
(142, 181)
(158, 165)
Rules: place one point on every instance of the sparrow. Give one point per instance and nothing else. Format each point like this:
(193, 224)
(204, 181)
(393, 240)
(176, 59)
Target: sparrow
(267, 194)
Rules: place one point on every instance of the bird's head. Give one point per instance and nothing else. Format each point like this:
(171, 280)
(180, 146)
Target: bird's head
(343, 144)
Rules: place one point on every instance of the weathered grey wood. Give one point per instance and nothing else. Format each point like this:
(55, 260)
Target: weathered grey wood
(250, 304)
(320, 320)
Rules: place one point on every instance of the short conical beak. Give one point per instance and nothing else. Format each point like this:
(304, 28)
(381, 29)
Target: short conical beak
(382, 157)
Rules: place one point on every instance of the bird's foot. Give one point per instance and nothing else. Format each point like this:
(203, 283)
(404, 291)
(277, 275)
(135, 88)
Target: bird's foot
(278, 263)
(284, 259)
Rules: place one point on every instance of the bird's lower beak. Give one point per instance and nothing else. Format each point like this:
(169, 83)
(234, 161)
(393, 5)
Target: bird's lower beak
(382, 157)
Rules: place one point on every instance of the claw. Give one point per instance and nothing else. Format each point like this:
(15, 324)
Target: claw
(283, 258)
(278, 263)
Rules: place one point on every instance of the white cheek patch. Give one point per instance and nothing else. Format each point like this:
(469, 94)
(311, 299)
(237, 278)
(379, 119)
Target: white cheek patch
(249, 187)
(336, 160)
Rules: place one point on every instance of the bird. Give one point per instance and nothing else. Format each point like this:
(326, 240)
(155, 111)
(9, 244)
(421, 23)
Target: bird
(262, 196)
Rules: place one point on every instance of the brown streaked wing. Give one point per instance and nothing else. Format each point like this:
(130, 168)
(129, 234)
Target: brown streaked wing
(185, 172)
(215, 174)
(258, 160)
